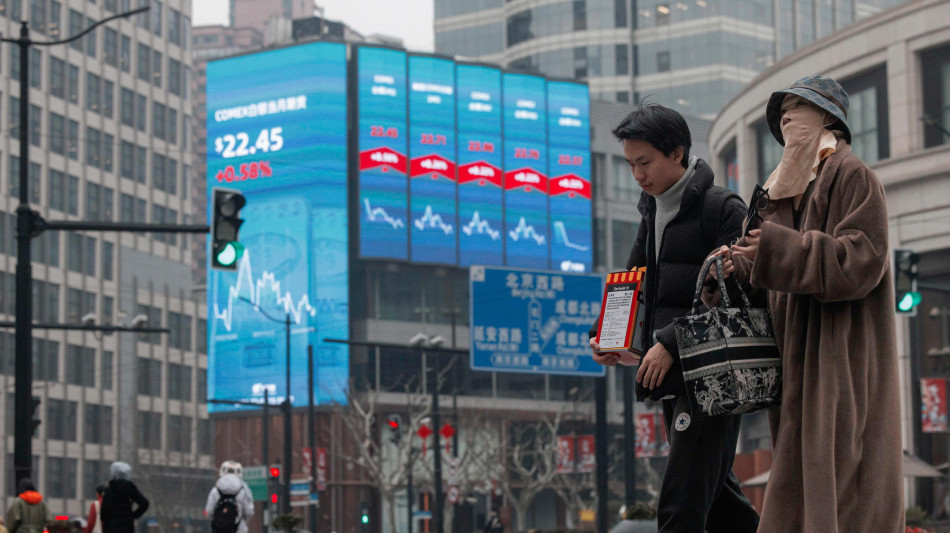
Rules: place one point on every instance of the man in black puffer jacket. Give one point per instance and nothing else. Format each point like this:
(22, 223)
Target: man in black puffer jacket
(685, 217)
(117, 513)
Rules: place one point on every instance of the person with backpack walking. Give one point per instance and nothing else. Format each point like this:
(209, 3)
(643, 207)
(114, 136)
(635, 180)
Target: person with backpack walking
(230, 502)
(28, 513)
(685, 217)
(116, 510)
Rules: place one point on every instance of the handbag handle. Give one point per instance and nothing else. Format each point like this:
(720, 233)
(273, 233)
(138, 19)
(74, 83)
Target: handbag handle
(697, 298)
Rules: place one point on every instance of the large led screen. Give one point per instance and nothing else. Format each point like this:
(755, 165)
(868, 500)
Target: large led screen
(277, 132)
(383, 164)
(526, 181)
(481, 221)
(432, 159)
(569, 171)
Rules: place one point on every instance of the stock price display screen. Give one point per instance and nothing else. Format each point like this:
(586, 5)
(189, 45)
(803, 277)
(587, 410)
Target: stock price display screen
(463, 164)
(481, 221)
(277, 131)
(432, 159)
(569, 182)
(383, 168)
(526, 181)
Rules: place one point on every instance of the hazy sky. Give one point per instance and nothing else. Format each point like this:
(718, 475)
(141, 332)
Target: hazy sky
(410, 20)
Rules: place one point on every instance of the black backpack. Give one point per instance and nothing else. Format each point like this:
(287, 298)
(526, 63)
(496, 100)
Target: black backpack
(225, 518)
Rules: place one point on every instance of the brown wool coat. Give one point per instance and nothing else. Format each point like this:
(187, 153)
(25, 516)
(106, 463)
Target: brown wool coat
(836, 437)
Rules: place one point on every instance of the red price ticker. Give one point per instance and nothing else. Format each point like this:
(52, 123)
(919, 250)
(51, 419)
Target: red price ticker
(428, 138)
(481, 146)
(247, 171)
(565, 159)
(525, 153)
(380, 131)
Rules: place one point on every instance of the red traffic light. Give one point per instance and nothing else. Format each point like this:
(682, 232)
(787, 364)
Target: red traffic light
(394, 424)
(273, 498)
(274, 472)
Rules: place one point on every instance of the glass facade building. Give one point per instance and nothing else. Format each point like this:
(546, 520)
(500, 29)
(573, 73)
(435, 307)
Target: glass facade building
(694, 55)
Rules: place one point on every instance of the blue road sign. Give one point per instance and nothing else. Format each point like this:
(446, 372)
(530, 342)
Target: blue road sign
(533, 321)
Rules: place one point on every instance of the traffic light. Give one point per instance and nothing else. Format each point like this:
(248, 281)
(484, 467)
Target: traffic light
(225, 223)
(905, 281)
(364, 517)
(34, 415)
(274, 485)
(395, 423)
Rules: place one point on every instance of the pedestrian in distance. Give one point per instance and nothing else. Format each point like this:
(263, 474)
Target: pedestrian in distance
(819, 245)
(28, 513)
(493, 524)
(123, 503)
(685, 217)
(94, 522)
(230, 504)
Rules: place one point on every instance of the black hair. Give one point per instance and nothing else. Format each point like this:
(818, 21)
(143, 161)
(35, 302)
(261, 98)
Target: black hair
(662, 127)
(101, 489)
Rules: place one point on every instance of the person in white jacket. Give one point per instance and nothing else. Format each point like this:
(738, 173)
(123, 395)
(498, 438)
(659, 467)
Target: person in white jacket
(230, 482)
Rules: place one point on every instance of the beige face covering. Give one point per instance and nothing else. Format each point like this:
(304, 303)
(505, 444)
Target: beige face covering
(807, 142)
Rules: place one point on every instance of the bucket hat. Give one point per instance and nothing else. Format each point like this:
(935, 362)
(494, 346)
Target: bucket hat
(826, 93)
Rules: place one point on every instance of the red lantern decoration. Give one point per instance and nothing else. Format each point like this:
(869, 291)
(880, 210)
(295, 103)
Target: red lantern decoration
(424, 431)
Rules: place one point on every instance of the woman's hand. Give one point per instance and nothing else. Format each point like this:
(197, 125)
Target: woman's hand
(751, 246)
(606, 359)
(727, 267)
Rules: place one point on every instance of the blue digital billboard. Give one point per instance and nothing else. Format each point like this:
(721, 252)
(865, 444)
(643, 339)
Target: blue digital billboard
(432, 160)
(481, 221)
(526, 181)
(569, 176)
(277, 132)
(383, 168)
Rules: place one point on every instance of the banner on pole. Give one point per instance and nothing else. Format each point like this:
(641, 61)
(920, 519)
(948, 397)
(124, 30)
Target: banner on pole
(586, 460)
(933, 405)
(565, 454)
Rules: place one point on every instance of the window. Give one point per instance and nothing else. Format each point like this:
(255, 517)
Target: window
(36, 68)
(93, 147)
(621, 67)
(179, 378)
(126, 208)
(61, 477)
(14, 118)
(157, 68)
(143, 68)
(620, 13)
(868, 115)
(156, 16)
(127, 107)
(93, 201)
(623, 234)
(125, 53)
(158, 172)
(150, 430)
(171, 133)
(580, 15)
(159, 120)
(127, 160)
(107, 258)
(108, 98)
(46, 248)
(141, 162)
(663, 62)
(519, 28)
(662, 14)
(89, 256)
(60, 420)
(57, 190)
(150, 375)
(72, 83)
(141, 113)
(57, 133)
(624, 188)
(57, 77)
(179, 433)
(45, 353)
(174, 76)
(38, 15)
(72, 195)
(75, 27)
(90, 38)
(80, 360)
(110, 47)
(730, 161)
(107, 359)
(769, 151)
(171, 176)
(55, 15)
(97, 428)
(74, 243)
(36, 120)
(174, 26)
(108, 147)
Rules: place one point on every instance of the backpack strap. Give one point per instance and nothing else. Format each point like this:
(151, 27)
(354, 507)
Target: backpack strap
(714, 203)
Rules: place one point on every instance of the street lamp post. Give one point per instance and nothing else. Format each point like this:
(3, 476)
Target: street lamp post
(27, 228)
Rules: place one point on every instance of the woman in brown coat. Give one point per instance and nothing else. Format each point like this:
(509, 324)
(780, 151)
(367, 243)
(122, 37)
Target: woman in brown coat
(821, 251)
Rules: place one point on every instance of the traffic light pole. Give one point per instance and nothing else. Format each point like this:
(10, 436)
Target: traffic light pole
(288, 449)
(312, 429)
(436, 447)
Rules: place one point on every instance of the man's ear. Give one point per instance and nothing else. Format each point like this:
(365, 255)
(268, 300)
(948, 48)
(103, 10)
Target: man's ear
(677, 154)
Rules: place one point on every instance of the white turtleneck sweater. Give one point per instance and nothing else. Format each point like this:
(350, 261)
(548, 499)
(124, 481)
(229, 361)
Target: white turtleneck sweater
(668, 203)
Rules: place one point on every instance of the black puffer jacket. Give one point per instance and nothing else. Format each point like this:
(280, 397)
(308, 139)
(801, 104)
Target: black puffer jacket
(671, 280)
(118, 516)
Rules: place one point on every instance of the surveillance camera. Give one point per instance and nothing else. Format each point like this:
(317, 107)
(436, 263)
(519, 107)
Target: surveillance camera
(138, 321)
(437, 341)
(88, 319)
(419, 339)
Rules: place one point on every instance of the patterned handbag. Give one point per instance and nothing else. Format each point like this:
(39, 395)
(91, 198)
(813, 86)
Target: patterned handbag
(731, 364)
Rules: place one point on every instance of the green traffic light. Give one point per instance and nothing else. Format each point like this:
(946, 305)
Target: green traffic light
(230, 253)
(909, 300)
(365, 519)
